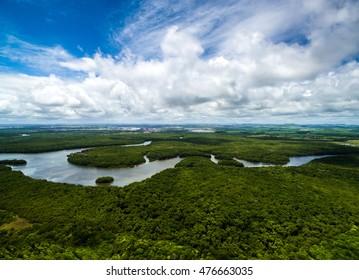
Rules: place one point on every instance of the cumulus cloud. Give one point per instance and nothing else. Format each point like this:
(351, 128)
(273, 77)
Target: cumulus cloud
(207, 65)
(189, 47)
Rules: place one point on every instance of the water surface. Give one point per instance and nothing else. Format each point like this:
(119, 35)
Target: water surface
(53, 166)
(293, 161)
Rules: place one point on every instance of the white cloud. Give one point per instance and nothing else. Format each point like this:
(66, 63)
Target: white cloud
(180, 44)
(84, 64)
(249, 77)
(204, 91)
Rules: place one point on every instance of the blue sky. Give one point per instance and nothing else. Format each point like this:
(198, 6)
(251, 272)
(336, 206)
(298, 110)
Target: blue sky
(80, 27)
(67, 23)
(184, 61)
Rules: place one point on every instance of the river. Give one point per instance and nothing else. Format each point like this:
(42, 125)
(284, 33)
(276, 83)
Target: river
(293, 161)
(53, 166)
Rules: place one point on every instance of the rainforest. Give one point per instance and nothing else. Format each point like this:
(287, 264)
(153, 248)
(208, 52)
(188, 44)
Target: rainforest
(198, 209)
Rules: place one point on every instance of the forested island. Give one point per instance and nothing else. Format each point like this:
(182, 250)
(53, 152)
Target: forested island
(197, 210)
(104, 180)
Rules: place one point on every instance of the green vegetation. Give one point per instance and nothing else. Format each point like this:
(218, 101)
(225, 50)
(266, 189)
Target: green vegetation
(104, 180)
(9, 220)
(6, 217)
(230, 162)
(223, 146)
(45, 141)
(108, 157)
(117, 156)
(197, 210)
(354, 142)
(342, 160)
(17, 224)
(13, 162)
(5, 168)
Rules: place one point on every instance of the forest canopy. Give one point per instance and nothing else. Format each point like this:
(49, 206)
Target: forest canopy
(197, 210)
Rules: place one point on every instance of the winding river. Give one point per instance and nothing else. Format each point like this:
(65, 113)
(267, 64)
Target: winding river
(53, 166)
(293, 161)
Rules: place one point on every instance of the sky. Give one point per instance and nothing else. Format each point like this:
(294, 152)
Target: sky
(179, 62)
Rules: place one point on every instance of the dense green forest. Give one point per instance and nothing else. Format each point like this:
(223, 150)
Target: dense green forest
(197, 210)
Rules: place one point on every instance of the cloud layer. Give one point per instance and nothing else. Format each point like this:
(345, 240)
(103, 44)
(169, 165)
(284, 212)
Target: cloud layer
(224, 62)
